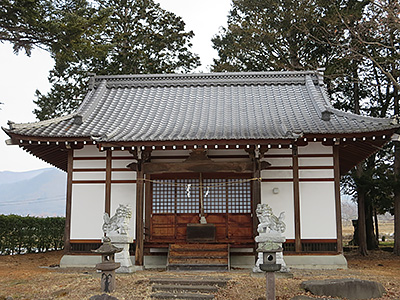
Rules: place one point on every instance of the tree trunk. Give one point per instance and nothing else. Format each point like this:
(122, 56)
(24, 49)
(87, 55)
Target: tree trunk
(362, 236)
(376, 228)
(396, 248)
(369, 227)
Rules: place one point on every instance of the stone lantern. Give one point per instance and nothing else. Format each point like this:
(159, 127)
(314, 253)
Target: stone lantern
(107, 265)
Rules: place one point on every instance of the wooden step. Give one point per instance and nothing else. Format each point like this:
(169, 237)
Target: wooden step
(198, 260)
(211, 257)
(199, 246)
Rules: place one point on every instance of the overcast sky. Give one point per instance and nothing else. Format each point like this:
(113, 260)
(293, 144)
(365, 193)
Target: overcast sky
(20, 75)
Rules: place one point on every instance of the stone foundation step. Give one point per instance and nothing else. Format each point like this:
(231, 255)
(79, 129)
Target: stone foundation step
(187, 287)
(184, 288)
(187, 296)
(197, 280)
(196, 267)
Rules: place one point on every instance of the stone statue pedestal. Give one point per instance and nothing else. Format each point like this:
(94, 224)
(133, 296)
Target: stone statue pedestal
(270, 242)
(123, 257)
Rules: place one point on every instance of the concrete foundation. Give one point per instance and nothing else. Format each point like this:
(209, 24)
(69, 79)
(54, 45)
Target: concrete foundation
(237, 262)
(319, 262)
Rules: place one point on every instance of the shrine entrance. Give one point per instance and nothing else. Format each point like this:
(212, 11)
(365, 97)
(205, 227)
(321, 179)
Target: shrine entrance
(179, 199)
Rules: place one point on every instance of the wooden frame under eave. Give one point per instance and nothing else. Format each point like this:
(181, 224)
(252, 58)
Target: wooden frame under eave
(67, 232)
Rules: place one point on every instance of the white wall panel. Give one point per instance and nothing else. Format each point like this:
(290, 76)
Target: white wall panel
(88, 201)
(275, 151)
(89, 176)
(276, 174)
(315, 161)
(316, 174)
(279, 161)
(89, 151)
(90, 164)
(315, 148)
(283, 201)
(124, 193)
(317, 210)
(125, 175)
(121, 163)
(119, 153)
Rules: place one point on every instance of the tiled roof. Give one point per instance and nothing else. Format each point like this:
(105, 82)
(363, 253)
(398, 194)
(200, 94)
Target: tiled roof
(216, 106)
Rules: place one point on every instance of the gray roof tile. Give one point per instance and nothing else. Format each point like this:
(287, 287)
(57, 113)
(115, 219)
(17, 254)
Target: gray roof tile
(228, 106)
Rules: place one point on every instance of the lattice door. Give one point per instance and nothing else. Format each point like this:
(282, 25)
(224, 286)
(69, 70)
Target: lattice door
(176, 202)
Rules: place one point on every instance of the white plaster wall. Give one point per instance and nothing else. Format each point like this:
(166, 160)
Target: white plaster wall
(121, 163)
(90, 164)
(315, 161)
(283, 201)
(317, 210)
(316, 174)
(123, 175)
(124, 193)
(89, 176)
(87, 211)
(315, 148)
(281, 151)
(280, 161)
(89, 151)
(277, 174)
(119, 153)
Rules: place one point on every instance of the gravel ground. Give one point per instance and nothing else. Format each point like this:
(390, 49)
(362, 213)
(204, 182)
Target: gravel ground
(29, 277)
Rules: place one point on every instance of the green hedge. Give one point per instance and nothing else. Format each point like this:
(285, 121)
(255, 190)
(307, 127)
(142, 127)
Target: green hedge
(30, 234)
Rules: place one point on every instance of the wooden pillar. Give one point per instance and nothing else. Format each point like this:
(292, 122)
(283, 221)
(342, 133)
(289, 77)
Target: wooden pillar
(296, 198)
(337, 199)
(256, 192)
(139, 215)
(108, 182)
(67, 232)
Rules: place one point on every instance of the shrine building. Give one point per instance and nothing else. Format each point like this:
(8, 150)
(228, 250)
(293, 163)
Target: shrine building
(178, 147)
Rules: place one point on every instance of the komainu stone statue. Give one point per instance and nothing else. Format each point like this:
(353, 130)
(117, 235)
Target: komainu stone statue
(270, 235)
(117, 224)
(268, 222)
(116, 228)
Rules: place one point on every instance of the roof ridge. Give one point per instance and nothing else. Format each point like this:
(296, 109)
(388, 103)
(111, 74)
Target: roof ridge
(221, 78)
(91, 105)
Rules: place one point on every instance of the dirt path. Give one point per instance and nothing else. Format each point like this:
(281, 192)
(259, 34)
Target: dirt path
(23, 277)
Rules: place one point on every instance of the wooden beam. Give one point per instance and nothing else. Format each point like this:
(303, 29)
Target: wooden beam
(337, 199)
(108, 182)
(139, 216)
(296, 199)
(147, 210)
(256, 193)
(67, 232)
(197, 167)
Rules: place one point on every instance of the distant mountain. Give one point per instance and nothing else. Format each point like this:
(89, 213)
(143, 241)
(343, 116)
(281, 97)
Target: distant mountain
(36, 193)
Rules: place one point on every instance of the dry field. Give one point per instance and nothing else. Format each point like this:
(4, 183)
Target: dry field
(23, 277)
